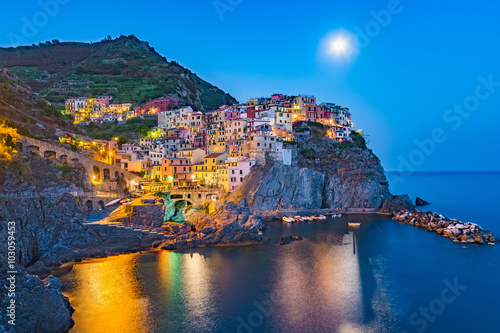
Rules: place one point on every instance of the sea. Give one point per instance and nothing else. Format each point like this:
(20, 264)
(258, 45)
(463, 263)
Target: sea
(383, 276)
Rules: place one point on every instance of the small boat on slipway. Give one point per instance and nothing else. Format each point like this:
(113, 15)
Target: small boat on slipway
(298, 219)
(353, 224)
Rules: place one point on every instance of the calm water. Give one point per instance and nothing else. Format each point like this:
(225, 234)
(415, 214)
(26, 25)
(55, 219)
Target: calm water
(381, 277)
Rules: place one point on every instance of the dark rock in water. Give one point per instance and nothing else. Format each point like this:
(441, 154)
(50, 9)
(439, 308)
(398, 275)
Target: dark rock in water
(397, 203)
(420, 202)
(284, 240)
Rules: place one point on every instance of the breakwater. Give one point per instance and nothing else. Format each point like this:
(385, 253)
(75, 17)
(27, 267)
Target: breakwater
(464, 232)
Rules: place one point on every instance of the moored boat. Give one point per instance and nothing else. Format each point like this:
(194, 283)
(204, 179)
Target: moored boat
(354, 224)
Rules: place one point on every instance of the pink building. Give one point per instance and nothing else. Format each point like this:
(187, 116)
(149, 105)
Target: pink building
(200, 139)
(238, 169)
(156, 105)
(103, 99)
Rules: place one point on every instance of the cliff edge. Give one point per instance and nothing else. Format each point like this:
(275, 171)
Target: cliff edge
(323, 175)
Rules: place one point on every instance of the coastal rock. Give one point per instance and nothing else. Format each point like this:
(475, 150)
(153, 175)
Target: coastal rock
(420, 202)
(450, 228)
(229, 225)
(284, 240)
(351, 179)
(396, 203)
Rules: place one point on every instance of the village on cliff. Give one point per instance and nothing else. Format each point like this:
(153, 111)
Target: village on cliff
(189, 148)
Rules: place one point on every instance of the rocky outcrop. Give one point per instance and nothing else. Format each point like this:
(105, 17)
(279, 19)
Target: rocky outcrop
(229, 225)
(40, 307)
(45, 227)
(420, 202)
(355, 179)
(464, 232)
(284, 240)
(396, 203)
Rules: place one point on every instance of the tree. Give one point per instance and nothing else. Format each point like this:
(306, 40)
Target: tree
(142, 129)
(121, 141)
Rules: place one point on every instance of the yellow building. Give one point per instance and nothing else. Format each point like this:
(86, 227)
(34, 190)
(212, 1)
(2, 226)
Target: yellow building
(207, 172)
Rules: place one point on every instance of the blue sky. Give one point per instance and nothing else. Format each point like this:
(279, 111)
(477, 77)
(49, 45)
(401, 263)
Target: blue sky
(422, 59)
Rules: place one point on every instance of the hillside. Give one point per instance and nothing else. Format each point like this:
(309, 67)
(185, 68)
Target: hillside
(126, 68)
(30, 114)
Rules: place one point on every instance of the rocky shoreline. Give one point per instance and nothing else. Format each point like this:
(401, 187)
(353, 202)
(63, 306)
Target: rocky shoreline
(459, 232)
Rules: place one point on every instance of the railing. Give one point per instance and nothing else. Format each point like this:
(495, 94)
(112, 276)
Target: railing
(31, 195)
(28, 195)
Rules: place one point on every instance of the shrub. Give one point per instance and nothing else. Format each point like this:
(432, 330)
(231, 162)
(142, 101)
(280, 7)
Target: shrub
(309, 153)
(66, 168)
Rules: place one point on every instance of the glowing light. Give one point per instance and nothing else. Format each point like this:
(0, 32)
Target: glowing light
(339, 46)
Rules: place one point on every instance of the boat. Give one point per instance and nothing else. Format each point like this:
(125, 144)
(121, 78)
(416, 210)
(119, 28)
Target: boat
(354, 224)
(298, 218)
(288, 219)
(322, 217)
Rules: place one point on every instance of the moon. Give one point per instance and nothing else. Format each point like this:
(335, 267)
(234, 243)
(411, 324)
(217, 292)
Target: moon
(340, 46)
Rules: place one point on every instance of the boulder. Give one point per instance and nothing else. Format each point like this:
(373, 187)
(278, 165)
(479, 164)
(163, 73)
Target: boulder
(284, 240)
(208, 230)
(420, 202)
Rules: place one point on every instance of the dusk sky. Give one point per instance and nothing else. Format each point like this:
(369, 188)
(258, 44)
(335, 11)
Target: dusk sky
(414, 64)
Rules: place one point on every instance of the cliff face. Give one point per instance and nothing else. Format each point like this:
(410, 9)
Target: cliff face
(335, 178)
(47, 230)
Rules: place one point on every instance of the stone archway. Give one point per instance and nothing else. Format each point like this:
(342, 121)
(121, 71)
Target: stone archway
(106, 174)
(97, 174)
(100, 204)
(75, 160)
(211, 197)
(50, 154)
(63, 158)
(89, 204)
(33, 149)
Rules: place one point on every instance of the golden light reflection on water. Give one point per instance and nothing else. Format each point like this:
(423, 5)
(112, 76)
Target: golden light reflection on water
(198, 284)
(108, 297)
(324, 284)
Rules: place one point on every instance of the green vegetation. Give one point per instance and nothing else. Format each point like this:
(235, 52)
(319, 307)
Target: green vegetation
(126, 68)
(129, 131)
(65, 168)
(309, 153)
(30, 115)
(358, 139)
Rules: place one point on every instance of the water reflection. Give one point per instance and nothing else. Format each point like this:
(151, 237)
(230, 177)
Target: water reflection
(107, 297)
(198, 293)
(319, 285)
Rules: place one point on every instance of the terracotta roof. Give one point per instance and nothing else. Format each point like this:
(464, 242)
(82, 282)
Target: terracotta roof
(214, 155)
